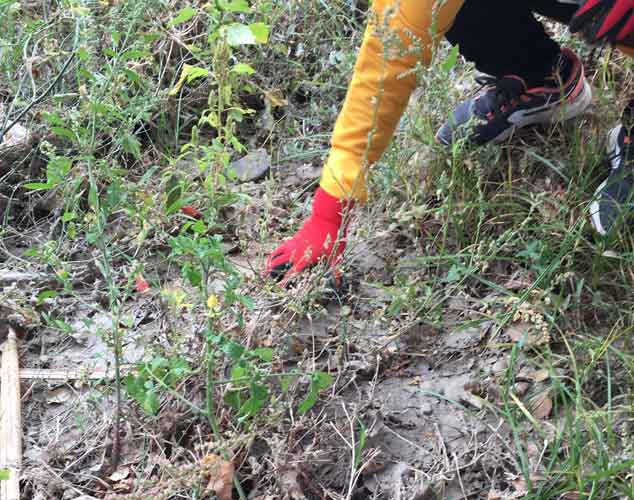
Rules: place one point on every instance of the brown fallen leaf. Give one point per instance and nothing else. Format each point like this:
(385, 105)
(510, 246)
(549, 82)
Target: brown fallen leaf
(521, 486)
(516, 332)
(119, 475)
(540, 375)
(58, 396)
(494, 495)
(570, 495)
(541, 406)
(521, 388)
(220, 473)
(276, 98)
(531, 335)
(289, 481)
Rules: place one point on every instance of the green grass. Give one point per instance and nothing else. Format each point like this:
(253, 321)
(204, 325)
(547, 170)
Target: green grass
(477, 218)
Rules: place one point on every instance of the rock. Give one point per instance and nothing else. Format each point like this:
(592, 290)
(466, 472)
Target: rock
(253, 166)
(468, 337)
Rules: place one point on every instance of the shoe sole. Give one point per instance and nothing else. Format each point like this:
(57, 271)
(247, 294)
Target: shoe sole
(557, 113)
(613, 144)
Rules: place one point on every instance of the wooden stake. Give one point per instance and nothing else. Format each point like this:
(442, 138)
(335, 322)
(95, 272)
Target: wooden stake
(10, 419)
(69, 374)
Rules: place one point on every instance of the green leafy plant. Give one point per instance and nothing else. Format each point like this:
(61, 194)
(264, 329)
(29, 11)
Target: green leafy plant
(319, 381)
(150, 379)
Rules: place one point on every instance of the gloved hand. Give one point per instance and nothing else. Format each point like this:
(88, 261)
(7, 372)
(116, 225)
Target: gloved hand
(605, 19)
(321, 237)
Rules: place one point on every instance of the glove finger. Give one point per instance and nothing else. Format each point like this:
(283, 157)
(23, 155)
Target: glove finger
(275, 259)
(277, 273)
(296, 269)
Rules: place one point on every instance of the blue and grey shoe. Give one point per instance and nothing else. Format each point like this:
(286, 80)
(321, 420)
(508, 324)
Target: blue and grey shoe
(614, 199)
(506, 104)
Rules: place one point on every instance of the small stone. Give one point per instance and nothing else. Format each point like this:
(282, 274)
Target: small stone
(426, 409)
(499, 366)
(521, 388)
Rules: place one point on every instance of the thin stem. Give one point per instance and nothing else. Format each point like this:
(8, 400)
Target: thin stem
(211, 410)
(209, 390)
(116, 441)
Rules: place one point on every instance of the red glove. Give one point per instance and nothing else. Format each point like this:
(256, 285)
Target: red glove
(609, 19)
(318, 238)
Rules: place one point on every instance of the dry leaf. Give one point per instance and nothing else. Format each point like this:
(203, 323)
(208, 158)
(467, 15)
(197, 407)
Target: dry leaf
(275, 98)
(15, 136)
(124, 486)
(141, 284)
(494, 495)
(520, 485)
(526, 331)
(517, 331)
(541, 375)
(542, 406)
(518, 281)
(192, 212)
(59, 396)
(220, 474)
(570, 495)
(521, 388)
(119, 475)
(289, 481)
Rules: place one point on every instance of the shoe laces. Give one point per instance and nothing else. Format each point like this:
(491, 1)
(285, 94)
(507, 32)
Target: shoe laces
(503, 94)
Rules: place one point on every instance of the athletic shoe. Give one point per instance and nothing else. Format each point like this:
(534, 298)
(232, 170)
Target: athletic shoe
(506, 104)
(614, 198)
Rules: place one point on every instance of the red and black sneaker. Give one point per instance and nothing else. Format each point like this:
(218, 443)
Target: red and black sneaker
(506, 104)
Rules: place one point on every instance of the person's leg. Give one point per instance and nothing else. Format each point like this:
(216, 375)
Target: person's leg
(503, 37)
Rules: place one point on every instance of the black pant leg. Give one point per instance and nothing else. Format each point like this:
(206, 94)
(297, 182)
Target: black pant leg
(503, 37)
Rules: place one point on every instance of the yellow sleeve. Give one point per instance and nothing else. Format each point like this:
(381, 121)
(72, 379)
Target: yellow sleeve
(378, 92)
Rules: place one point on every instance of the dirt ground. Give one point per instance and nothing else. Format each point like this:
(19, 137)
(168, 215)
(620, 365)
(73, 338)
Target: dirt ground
(425, 397)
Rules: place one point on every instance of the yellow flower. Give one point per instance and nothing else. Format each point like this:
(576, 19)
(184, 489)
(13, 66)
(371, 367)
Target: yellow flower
(213, 303)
